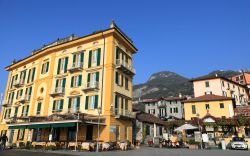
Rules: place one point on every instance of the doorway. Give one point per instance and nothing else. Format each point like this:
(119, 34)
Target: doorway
(89, 133)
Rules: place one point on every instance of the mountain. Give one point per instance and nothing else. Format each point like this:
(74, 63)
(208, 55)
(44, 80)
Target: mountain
(166, 83)
(163, 84)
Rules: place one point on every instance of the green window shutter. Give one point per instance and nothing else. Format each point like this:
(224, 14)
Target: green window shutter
(72, 81)
(12, 80)
(79, 80)
(61, 104)
(57, 81)
(54, 106)
(23, 134)
(16, 110)
(47, 67)
(28, 79)
(38, 107)
(116, 101)
(88, 80)
(117, 53)
(87, 102)
(82, 56)
(33, 74)
(78, 103)
(96, 102)
(21, 92)
(97, 77)
(66, 64)
(27, 109)
(98, 56)
(23, 110)
(122, 103)
(5, 114)
(74, 58)
(90, 58)
(58, 67)
(42, 68)
(116, 78)
(64, 82)
(69, 104)
(12, 97)
(30, 91)
(24, 76)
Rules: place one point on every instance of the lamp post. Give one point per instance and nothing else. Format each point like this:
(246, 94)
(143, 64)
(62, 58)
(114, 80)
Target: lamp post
(198, 116)
(99, 112)
(77, 125)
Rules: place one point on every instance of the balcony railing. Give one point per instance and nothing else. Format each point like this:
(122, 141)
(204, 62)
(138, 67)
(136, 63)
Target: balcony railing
(57, 111)
(123, 113)
(124, 66)
(59, 91)
(25, 98)
(7, 103)
(18, 83)
(90, 86)
(77, 66)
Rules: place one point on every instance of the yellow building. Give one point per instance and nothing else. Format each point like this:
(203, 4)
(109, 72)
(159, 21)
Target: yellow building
(68, 83)
(216, 106)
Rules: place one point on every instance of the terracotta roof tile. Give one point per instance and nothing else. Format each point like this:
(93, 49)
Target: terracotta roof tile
(208, 98)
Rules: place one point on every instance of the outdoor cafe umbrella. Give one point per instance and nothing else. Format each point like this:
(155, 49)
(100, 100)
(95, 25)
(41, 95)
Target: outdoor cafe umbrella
(185, 127)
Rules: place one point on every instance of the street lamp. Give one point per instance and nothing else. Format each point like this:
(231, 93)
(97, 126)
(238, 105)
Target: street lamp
(99, 112)
(198, 116)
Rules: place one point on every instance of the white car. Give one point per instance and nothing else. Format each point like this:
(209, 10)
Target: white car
(239, 143)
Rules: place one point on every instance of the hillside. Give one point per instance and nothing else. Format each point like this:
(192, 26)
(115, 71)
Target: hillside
(166, 83)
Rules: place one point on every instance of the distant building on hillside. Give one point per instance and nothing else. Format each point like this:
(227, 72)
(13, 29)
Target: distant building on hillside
(221, 86)
(165, 108)
(243, 79)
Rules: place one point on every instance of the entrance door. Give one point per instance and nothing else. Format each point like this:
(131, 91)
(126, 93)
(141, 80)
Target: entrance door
(11, 136)
(89, 133)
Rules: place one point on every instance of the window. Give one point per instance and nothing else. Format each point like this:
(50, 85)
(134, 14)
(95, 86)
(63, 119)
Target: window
(20, 134)
(117, 80)
(78, 59)
(91, 102)
(57, 106)
(228, 85)
(126, 83)
(45, 68)
(171, 111)
(126, 129)
(207, 106)
(60, 85)
(28, 92)
(207, 83)
(74, 104)
(62, 65)
(93, 79)
(7, 113)
(19, 94)
(25, 110)
(193, 109)
(31, 75)
(221, 105)
(76, 81)
(223, 83)
(38, 110)
(153, 111)
(94, 58)
(16, 111)
(176, 110)
(22, 77)
(224, 93)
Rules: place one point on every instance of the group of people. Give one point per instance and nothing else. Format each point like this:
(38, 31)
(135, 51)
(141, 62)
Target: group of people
(3, 140)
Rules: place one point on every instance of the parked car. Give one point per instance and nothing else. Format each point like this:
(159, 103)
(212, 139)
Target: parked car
(239, 143)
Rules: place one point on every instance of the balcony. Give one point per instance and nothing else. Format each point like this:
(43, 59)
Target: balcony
(123, 114)
(7, 103)
(18, 83)
(57, 92)
(125, 67)
(91, 86)
(77, 66)
(24, 99)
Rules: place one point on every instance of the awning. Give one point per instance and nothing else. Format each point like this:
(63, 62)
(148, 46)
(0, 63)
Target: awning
(44, 125)
(185, 127)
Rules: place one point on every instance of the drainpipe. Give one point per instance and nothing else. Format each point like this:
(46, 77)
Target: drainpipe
(103, 58)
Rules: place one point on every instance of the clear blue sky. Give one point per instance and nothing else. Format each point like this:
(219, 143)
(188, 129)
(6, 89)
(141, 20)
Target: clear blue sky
(189, 37)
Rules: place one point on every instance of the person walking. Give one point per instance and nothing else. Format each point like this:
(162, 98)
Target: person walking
(4, 139)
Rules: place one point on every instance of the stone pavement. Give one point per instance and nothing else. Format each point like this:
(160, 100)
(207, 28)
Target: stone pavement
(145, 151)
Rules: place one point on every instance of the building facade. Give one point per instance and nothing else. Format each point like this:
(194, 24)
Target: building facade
(69, 87)
(221, 86)
(165, 108)
(216, 106)
(243, 79)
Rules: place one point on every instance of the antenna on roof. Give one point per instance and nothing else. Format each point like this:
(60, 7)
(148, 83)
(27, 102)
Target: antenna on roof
(112, 24)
